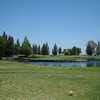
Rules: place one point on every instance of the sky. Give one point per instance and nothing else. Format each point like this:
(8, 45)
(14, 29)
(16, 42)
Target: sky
(65, 22)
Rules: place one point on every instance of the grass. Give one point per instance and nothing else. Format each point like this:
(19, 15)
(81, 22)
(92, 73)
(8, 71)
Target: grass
(64, 58)
(20, 81)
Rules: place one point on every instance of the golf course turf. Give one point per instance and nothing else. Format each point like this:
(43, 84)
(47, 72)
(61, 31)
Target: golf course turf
(20, 81)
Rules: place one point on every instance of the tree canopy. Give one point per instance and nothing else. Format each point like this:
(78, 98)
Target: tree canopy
(26, 47)
(8, 48)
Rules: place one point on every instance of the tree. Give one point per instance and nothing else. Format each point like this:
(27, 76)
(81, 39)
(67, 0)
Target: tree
(2, 46)
(5, 39)
(91, 48)
(59, 50)
(67, 51)
(17, 47)
(26, 47)
(78, 51)
(38, 50)
(9, 46)
(98, 49)
(35, 51)
(75, 51)
(4, 35)
(55, 50)
(45, 49)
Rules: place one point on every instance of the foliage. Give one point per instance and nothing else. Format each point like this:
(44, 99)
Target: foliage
(60, 50)
(26, 47)
(55, 50)
(73, 51)
(9, 48)
(17, 47)
(38, 50)
(98, 49)
(91, 48)
(35, 48)
(5, 39)
(2, 46)
(45, 49)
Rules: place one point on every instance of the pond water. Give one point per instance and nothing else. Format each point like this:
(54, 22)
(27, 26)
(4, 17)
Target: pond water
(68, 64)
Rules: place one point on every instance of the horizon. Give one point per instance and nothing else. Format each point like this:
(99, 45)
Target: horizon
(64, 22)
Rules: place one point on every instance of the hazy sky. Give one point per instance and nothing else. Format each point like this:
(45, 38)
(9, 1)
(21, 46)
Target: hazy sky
(66, 22)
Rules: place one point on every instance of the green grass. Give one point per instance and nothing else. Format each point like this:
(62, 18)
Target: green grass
(65, 58)
(30, 82)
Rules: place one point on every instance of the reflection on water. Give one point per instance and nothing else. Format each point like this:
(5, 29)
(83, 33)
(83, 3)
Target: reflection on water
(69, 64)
(93, 63)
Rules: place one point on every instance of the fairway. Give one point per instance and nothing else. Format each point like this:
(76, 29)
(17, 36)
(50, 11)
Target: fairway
(19, 81)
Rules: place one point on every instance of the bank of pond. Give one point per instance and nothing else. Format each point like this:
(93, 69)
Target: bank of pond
(65, 61)
(60, 61)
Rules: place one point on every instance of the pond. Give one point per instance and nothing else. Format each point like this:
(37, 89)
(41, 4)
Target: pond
(68, 63)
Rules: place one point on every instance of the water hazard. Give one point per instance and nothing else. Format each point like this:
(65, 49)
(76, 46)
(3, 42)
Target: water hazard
(68, 64)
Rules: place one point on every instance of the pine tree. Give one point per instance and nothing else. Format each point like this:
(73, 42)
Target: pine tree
(4, 35)
(35, 49)
(2, 47)
(55, 50)
(17, 47)
(45, 49)
(26, 47)
(10, 46)
(60, 50)
(5, 38)
(38, 50)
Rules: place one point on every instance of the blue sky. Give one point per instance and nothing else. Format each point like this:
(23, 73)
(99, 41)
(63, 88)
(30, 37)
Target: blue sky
(66, 22)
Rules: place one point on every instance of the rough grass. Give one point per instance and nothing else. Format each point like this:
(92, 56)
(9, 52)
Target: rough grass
(65, 58)
(30, 82)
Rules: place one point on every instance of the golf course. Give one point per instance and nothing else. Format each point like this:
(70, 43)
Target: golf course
(21, 81)
(49, 49)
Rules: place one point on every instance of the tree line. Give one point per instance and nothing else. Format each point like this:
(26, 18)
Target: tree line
(8, 47)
